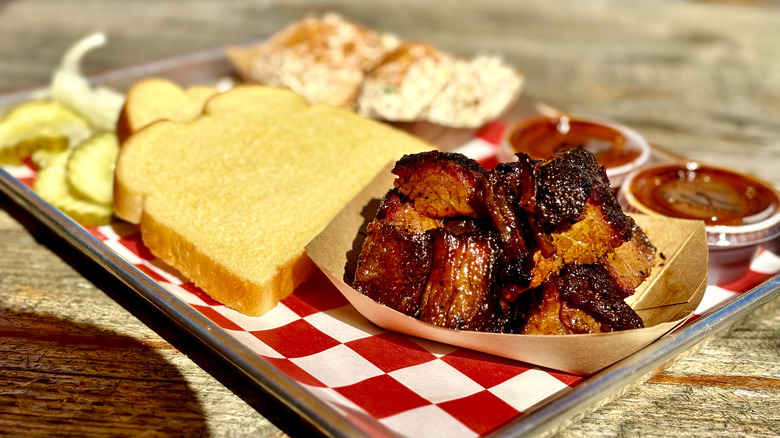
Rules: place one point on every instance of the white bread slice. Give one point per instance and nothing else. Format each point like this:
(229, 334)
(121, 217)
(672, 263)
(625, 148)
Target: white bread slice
(155, 99)
(231, 198)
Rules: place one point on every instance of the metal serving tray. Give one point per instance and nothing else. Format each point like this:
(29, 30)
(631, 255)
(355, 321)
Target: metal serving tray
(208, 67)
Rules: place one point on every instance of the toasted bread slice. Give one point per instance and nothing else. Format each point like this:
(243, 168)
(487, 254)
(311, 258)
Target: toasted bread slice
(155, 99)
(231, 198)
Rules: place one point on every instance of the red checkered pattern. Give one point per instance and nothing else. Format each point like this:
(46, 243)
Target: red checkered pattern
(407, 385)
(383, 381)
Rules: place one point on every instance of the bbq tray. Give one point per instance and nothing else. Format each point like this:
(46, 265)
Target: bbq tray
(342, 374)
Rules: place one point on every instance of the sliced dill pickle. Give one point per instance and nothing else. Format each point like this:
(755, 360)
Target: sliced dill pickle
(41, 147)
(90, 169)
(52, 186)
(41, 157)
(37, 124)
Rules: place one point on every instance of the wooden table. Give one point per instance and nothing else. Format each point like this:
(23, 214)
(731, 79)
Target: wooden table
(81, 355)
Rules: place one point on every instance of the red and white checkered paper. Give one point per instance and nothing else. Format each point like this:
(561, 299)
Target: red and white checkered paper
(388, 383)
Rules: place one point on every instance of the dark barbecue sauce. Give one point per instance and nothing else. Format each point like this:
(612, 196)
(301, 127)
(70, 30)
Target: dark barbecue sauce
(716, 196)
(544, 136)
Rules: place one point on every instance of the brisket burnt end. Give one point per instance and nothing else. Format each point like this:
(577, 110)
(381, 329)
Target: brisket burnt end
(580, 299)
(531, 246)
(459, 293)
(441, 184)
(393, 267)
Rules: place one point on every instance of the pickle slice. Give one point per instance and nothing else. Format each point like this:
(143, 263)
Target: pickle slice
(41, 157)
(39, 124)
(52, 186)
(90, 169)
(40, 147)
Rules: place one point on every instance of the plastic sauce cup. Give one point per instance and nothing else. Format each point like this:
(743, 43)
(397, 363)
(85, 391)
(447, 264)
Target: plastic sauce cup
(740, 212)
(616, 147)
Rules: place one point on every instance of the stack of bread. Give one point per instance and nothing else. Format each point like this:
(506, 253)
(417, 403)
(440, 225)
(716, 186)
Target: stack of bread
(231, 196)
(333, 61)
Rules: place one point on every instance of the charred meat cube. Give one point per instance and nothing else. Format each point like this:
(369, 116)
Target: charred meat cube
(569, 181)
(576, 218)
(592, 288)
(547, 314)
(585, 242)
(393, 266)
(396, 212)
(511, 187)
(528, 247)
(459, 293)
(441, 184)
(581, 299)
(462, 225)
(630, 263)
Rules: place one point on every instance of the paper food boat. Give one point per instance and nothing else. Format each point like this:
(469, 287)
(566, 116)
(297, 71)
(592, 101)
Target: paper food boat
(664, 301)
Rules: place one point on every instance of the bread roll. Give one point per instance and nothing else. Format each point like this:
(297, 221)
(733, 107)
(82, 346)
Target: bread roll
(405, 83)
(324, 60)
(480, 90)
(336, 62)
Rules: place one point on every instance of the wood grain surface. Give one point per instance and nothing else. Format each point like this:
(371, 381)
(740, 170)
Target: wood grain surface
(81, 355)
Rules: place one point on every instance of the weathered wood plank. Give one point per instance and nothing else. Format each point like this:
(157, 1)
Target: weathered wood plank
(75, 361)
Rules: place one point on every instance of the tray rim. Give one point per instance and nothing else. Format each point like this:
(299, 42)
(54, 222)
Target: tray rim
(549, 416)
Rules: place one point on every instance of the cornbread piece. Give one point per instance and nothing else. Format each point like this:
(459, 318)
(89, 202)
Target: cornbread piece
(231, 198)
(325, 60)
(408, 255)
(459, 293)
(581, 299)
(441, 184)
(154, 99)
(405, 83)
(479, 91)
